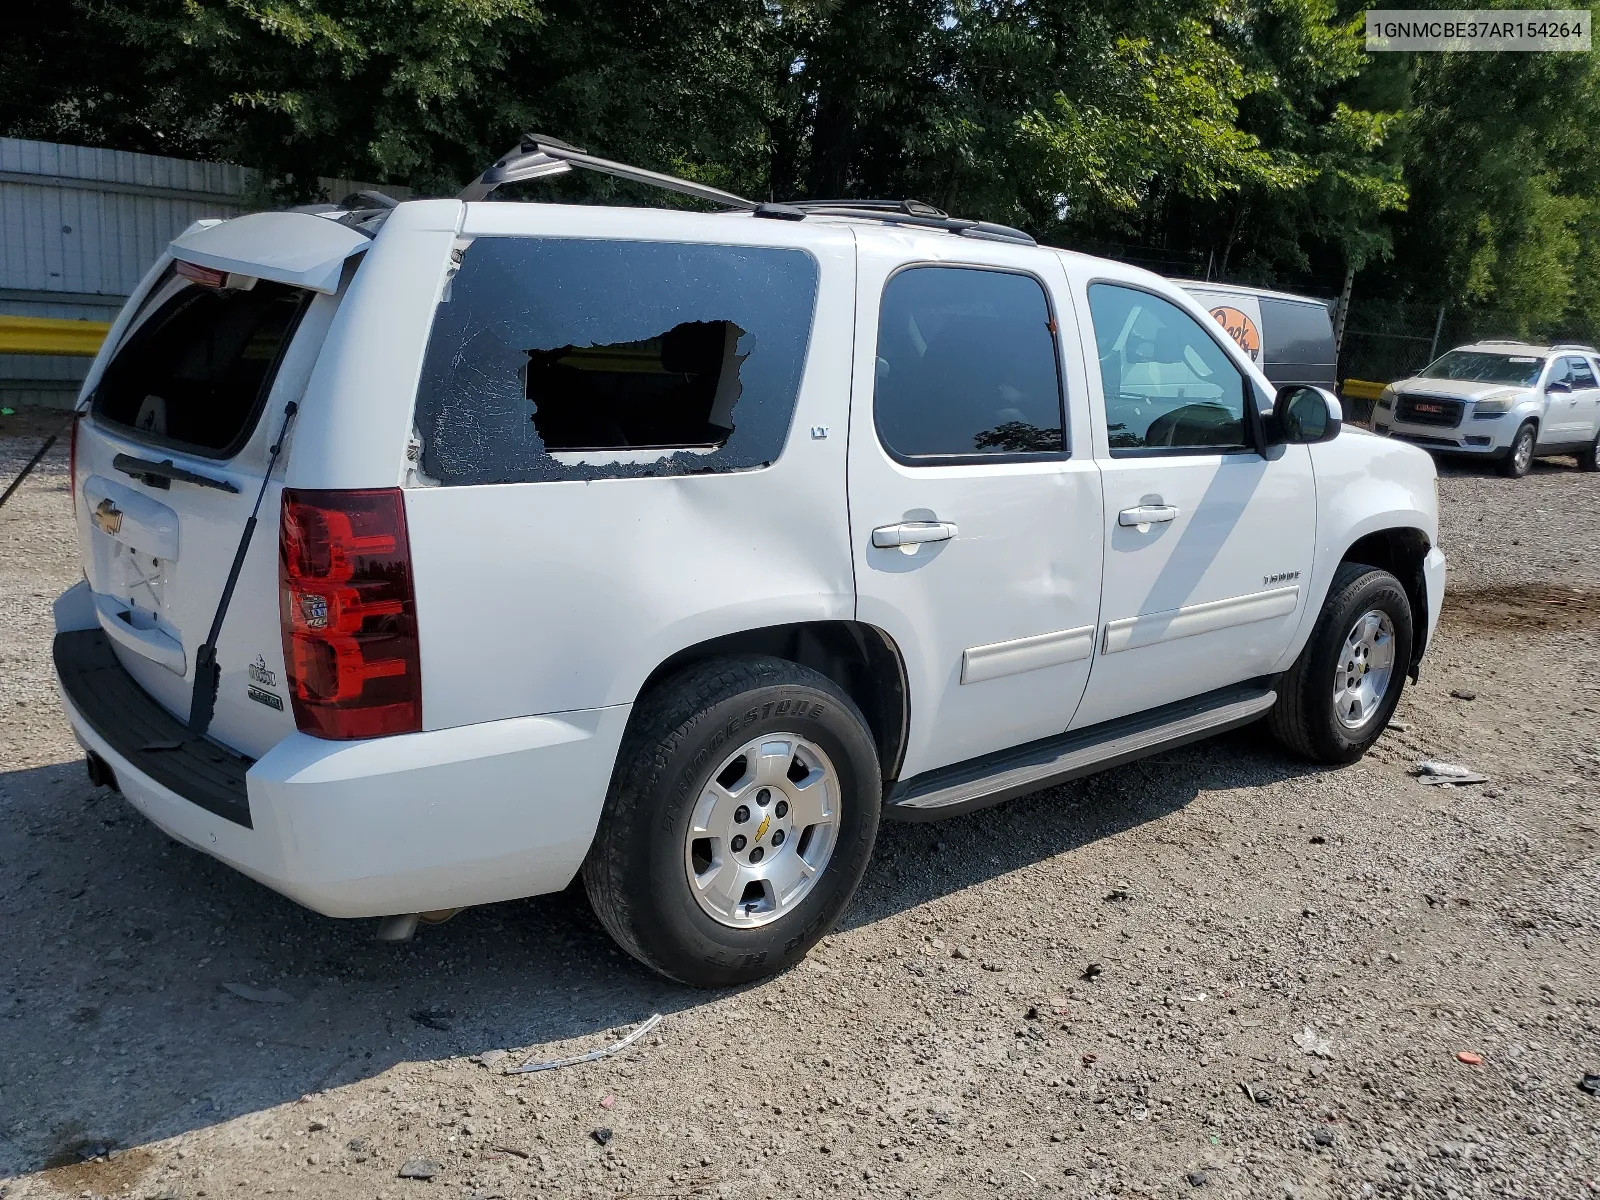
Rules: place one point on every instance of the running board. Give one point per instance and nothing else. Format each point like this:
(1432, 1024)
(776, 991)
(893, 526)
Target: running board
(994, 778)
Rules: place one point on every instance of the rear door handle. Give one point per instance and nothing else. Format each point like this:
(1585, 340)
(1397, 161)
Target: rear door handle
(910, 534)
(1148, 514)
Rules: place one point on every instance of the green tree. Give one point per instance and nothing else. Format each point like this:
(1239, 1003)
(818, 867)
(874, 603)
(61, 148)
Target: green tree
(1506, 219)
(1197, 126)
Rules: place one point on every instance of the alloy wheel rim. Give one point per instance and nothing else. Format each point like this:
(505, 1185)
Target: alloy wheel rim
(1524, 451)
(1365, 666)
(764, 826)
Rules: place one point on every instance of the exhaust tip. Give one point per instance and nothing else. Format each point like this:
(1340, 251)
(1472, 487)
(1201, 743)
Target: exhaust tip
(398, 928)
(100, 772)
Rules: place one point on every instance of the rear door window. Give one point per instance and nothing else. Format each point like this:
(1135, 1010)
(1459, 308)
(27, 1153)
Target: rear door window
(196, 370)
(1582, 376)
(967, 366)
(571, 358)
(1297, 333)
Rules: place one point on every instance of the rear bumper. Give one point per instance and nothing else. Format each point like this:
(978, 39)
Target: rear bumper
(404, 824)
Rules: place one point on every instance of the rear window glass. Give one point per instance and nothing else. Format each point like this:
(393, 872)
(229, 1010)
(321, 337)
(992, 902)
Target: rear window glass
(567, 358)
(966, 366)
(1297, 333)
(196, 372)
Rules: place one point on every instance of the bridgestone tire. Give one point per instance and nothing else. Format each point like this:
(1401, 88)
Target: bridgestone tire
(678, 735)
(1303, 719)
(1512, 466)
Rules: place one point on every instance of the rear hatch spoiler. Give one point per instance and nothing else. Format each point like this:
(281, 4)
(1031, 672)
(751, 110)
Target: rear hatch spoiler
(294, 248)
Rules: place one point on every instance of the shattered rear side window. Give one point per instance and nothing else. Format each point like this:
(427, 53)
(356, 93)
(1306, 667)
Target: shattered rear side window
(561, 358)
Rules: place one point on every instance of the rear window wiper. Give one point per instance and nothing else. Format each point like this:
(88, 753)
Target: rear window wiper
(165, 474)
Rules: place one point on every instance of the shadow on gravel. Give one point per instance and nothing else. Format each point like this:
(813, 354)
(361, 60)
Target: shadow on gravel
(115, 1028)
(1448, 466)
(114, 1025)
(917, 862)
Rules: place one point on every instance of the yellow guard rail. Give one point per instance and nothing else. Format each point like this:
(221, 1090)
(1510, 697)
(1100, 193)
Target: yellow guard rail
(51, 335)
(1362, 389)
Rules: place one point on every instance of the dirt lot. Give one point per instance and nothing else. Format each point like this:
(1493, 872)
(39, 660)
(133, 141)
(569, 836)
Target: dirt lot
(945, 1040)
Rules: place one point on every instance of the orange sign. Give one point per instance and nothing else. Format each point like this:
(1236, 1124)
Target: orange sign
(1241, 329)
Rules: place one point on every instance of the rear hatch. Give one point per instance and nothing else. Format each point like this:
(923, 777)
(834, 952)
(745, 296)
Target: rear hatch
(173, 448)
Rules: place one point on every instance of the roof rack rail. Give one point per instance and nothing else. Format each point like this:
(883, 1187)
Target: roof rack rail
(1584, 346)
(910, 208)
(538, 155)
(890, 213)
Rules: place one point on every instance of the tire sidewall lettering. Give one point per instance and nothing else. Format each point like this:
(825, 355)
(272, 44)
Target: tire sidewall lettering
(728, 723)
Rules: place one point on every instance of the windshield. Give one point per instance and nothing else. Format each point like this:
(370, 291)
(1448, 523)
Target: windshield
(1483, 367)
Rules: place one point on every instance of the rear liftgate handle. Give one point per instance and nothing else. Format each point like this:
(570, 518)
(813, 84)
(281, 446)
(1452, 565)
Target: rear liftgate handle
(207, 675)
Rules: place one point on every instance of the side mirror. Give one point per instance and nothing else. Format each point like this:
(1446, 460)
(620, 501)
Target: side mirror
(1302, 415)
(1558, 386)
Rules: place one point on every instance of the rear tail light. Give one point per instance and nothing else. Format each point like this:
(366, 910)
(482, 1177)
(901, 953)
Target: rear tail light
(204, 276)
(349, 613)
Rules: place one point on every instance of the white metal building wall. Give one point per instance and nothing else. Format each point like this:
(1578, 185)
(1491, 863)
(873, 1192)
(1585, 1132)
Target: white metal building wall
(78, 229)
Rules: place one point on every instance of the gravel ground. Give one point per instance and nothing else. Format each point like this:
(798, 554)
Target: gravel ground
(1218, 972)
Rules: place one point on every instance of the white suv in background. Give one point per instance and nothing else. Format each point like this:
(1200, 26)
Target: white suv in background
(1505, 401)
(678, 548)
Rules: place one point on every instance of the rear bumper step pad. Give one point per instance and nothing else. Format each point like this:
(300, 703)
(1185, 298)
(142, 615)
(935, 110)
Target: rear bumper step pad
(151, 739)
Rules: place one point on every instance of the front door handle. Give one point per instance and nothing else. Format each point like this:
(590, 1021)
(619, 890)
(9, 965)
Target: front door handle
(1148, 514)
(908, 535)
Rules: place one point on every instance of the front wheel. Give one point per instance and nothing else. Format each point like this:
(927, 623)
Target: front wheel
(1520, 457)
(741, 816)
(1342, 690)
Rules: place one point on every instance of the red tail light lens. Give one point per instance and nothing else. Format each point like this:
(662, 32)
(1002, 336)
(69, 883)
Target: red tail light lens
(349, 613)
(204, 276)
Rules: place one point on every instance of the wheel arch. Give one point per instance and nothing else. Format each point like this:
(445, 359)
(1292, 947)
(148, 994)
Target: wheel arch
(1400, 550)
(862, 659)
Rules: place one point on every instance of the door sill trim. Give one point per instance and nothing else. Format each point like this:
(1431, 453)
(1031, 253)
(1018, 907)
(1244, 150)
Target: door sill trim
(993, 778)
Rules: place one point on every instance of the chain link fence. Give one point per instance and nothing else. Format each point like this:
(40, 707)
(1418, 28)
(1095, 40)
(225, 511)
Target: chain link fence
(1386, 340)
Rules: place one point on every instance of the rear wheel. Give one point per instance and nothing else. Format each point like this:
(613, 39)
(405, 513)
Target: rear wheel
(1342, 690)
(1520, 457)
(1589, 460)
(742, 813)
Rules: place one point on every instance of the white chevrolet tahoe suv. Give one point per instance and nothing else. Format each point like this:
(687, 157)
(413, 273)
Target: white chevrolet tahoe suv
(677, 548)
(1508, 402)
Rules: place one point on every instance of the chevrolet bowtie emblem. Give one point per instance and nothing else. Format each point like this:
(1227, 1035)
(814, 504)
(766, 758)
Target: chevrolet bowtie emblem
(107, 516)
(762, 832)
